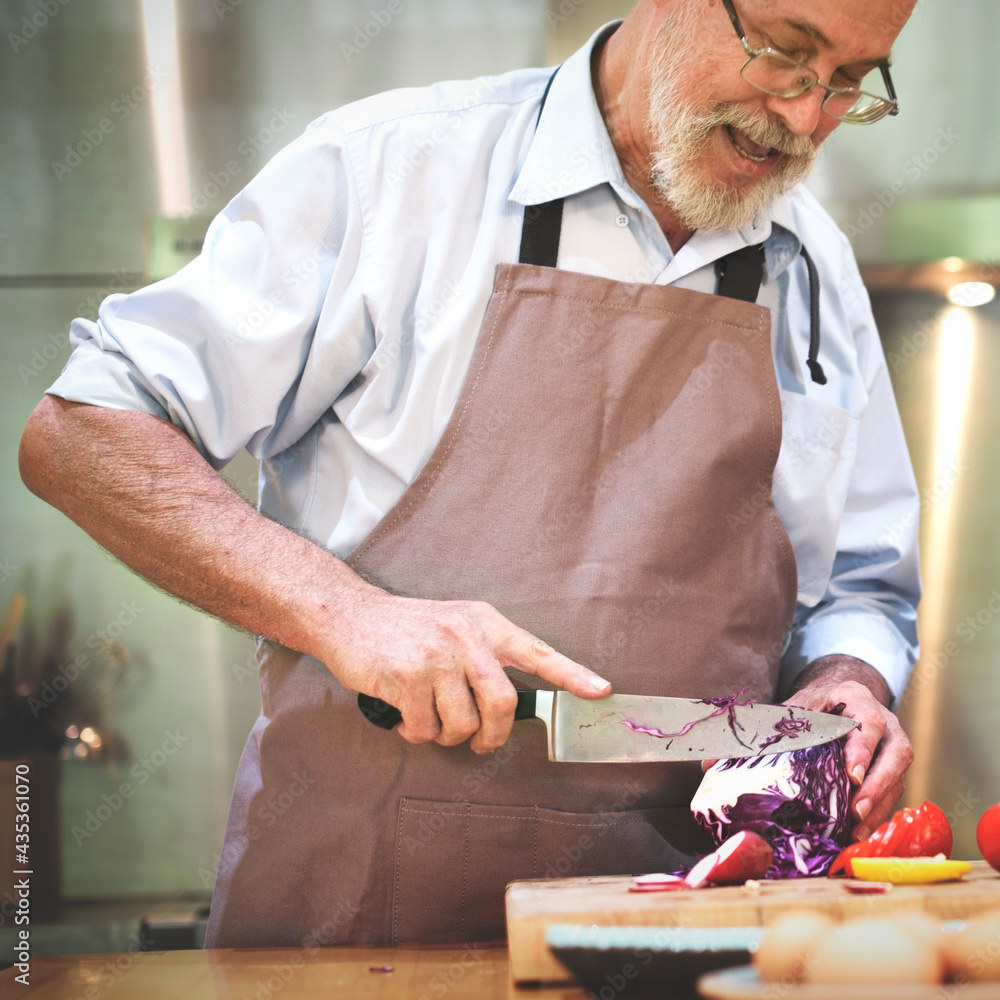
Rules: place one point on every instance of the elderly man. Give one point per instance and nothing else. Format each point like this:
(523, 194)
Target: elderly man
(555, 378)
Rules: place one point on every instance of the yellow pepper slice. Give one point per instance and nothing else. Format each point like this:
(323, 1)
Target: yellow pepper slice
(906, 871)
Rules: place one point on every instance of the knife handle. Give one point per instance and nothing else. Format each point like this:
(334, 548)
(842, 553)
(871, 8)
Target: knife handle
(385, 716)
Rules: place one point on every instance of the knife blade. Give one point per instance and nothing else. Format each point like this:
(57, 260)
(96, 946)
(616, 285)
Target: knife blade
(608, 730)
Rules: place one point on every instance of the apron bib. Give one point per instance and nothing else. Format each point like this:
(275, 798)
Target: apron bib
(591, 484)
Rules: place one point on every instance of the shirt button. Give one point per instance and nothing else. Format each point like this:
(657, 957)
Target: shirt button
(621, 221)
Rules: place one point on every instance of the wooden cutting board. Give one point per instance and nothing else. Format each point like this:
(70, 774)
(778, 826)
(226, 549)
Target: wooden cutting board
(606, 901)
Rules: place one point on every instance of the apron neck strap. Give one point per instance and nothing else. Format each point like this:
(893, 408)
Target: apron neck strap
(739, 274)
(815, 368)
(540, 233)
(542, 223)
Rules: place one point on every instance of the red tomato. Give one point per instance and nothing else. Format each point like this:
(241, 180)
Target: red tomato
(909, 833)
(988, 835)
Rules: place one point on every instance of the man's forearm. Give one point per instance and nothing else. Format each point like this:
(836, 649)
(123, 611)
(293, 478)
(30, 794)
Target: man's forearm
(138, 486)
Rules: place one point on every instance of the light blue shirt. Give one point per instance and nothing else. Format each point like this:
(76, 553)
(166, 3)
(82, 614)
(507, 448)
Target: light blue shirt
(329, 322)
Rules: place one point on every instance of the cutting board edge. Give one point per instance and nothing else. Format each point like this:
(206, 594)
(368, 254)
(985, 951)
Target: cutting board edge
(528, 914)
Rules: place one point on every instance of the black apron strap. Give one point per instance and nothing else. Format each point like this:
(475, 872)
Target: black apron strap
(812, 361)
(739, 274)
(540, 233)
(542, 223)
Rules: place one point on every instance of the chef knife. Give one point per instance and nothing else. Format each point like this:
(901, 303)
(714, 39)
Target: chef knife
(608, 730)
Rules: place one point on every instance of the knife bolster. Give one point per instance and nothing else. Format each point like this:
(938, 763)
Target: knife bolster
(544, 706)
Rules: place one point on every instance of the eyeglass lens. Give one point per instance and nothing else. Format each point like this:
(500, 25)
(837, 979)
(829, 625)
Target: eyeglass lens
(777, 74)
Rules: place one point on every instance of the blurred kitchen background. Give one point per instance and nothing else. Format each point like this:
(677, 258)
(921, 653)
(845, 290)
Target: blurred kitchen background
(124, 125)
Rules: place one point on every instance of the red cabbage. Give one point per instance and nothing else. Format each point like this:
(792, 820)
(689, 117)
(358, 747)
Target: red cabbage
(797, 801)
(727, 703)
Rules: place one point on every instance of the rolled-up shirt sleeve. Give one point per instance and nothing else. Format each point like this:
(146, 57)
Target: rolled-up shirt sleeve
(869, 609)
(251, 342)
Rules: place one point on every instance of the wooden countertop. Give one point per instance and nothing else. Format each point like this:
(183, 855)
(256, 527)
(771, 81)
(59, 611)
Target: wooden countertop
(462, 973)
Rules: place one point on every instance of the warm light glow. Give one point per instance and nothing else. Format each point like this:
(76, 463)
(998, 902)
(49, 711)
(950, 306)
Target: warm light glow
(159, 21)
(80, 750)
(971, 293)
(953, 264)
(72, 732)
(89, 736)
(954, 371)
(954, 376)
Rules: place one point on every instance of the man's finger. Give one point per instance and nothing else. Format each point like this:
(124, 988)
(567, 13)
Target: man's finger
(883, 783)
(457, 710)
(881, 810)
(497, 701)
(522, 650)
(861, 746)
(420, 719)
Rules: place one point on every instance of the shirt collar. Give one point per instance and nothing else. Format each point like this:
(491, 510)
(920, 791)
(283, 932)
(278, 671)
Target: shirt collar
(776, 231)
(784, 244)
(571, 151)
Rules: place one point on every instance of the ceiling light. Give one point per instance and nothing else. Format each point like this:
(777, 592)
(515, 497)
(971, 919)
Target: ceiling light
(971, 293)
(953, 264)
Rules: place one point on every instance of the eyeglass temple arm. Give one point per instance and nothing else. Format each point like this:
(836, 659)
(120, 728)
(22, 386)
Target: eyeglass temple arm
(890, 89)
(731, 11)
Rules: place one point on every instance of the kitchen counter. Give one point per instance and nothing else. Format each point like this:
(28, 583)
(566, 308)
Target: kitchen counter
(464, 972)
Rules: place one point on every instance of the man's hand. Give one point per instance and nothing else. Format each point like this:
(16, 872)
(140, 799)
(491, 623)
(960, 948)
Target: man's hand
(441, 663)
(879, 752)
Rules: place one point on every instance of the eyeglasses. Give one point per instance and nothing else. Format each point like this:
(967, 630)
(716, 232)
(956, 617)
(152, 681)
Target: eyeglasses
(777, 73)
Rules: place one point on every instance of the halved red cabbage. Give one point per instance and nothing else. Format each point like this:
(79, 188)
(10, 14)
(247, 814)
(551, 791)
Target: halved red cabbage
(796, 800)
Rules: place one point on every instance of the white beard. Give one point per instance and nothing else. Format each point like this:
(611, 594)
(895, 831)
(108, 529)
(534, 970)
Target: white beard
(680, 135)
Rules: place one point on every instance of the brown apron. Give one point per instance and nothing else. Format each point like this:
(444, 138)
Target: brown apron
(593, 485)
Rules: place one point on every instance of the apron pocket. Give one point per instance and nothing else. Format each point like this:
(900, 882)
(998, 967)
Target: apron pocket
(453, 862)
(454, 859)
(622, 842)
